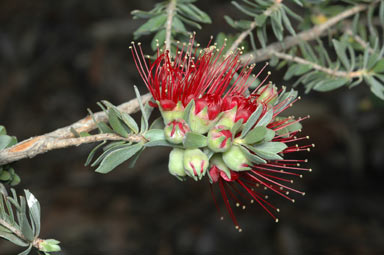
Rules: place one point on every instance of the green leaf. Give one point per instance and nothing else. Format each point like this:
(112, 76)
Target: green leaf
(117, 157)
(3, 131)
(5, 176)
(27, 251)
(153, 24)
(250, 156)
(236, 128)
(194, 140)
(144, 119)
(154, 135)
(255, 135)
(272, 147)
(269, 150)
(327, 85)
(5, 141)
(130, 122)
(158, 39)
(116, 124)
(377, 88)
(34, 211)
(267, 117)
(187, 110)
(251, 120)
(158, 123)
(379, 66)
(12, 238)
(340, 48)
(269, 135)
(192, 12)
(178, 26)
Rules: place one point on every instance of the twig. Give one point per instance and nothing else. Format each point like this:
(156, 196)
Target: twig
(20, 235)
(359, 40)
(168, 30)
(252, 26)
(241, 37)
(307, 35)
(64, 137)
(318, 67)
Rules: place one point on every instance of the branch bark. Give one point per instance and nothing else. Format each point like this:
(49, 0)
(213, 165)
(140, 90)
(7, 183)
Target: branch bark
(64, 137)
(168, 30)
(318, 67)
(307, 35)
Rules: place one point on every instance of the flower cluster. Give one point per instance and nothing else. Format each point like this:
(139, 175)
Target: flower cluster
(219, 128)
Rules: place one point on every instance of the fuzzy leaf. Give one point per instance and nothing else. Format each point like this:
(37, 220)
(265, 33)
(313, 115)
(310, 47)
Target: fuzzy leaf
(328, 85)
(251, 121)
(267, 117)
(255, 135)
(117, 157)
(153, 24)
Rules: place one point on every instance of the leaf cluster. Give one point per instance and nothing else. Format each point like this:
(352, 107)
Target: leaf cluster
(185, 13)
(20, 221)
(7, 172)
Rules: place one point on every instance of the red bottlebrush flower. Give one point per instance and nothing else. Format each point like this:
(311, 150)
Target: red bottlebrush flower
(246, 139)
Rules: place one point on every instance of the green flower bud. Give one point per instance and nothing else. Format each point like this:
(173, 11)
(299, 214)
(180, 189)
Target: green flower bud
(49, 245)
(219, 139)
(235, 159)
(195, 163)
(175, 131)
(200, 123)
(175, 114)
(228, 118)
(267, 94)
(176, 163)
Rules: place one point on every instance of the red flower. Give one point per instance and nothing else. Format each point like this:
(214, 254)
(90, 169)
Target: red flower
(241, 171)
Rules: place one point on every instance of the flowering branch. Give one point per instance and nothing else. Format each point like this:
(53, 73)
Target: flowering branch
(65, 137)
(170, 13)
(355, 74)
(307, 35)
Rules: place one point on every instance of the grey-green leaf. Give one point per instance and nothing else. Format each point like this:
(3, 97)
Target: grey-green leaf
(255, 135)
(117, 157)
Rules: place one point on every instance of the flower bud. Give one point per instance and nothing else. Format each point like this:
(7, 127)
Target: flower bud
(200, 122)
(175, 113)
(219, 139)
(175, 131)
(49, 245)
(218, 169)
(235, 159)
(228, 118)
(195, 163)
(267, 94)
(175, 164)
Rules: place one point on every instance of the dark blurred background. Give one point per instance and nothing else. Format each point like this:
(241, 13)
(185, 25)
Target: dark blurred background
(58, 58)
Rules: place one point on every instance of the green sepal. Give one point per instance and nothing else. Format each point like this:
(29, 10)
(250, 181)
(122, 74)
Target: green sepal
(194, 140)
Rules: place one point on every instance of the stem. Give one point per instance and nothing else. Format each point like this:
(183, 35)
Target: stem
(20, 235)
(318, 67)
(64, 137)
(307, 35)
(168, 30)
(359, 40)
(252, 26)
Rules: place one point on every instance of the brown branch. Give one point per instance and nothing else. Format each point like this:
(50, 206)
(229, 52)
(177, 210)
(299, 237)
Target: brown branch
(168, 30)
(307, 35)
(318, 67)
(64, 137)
